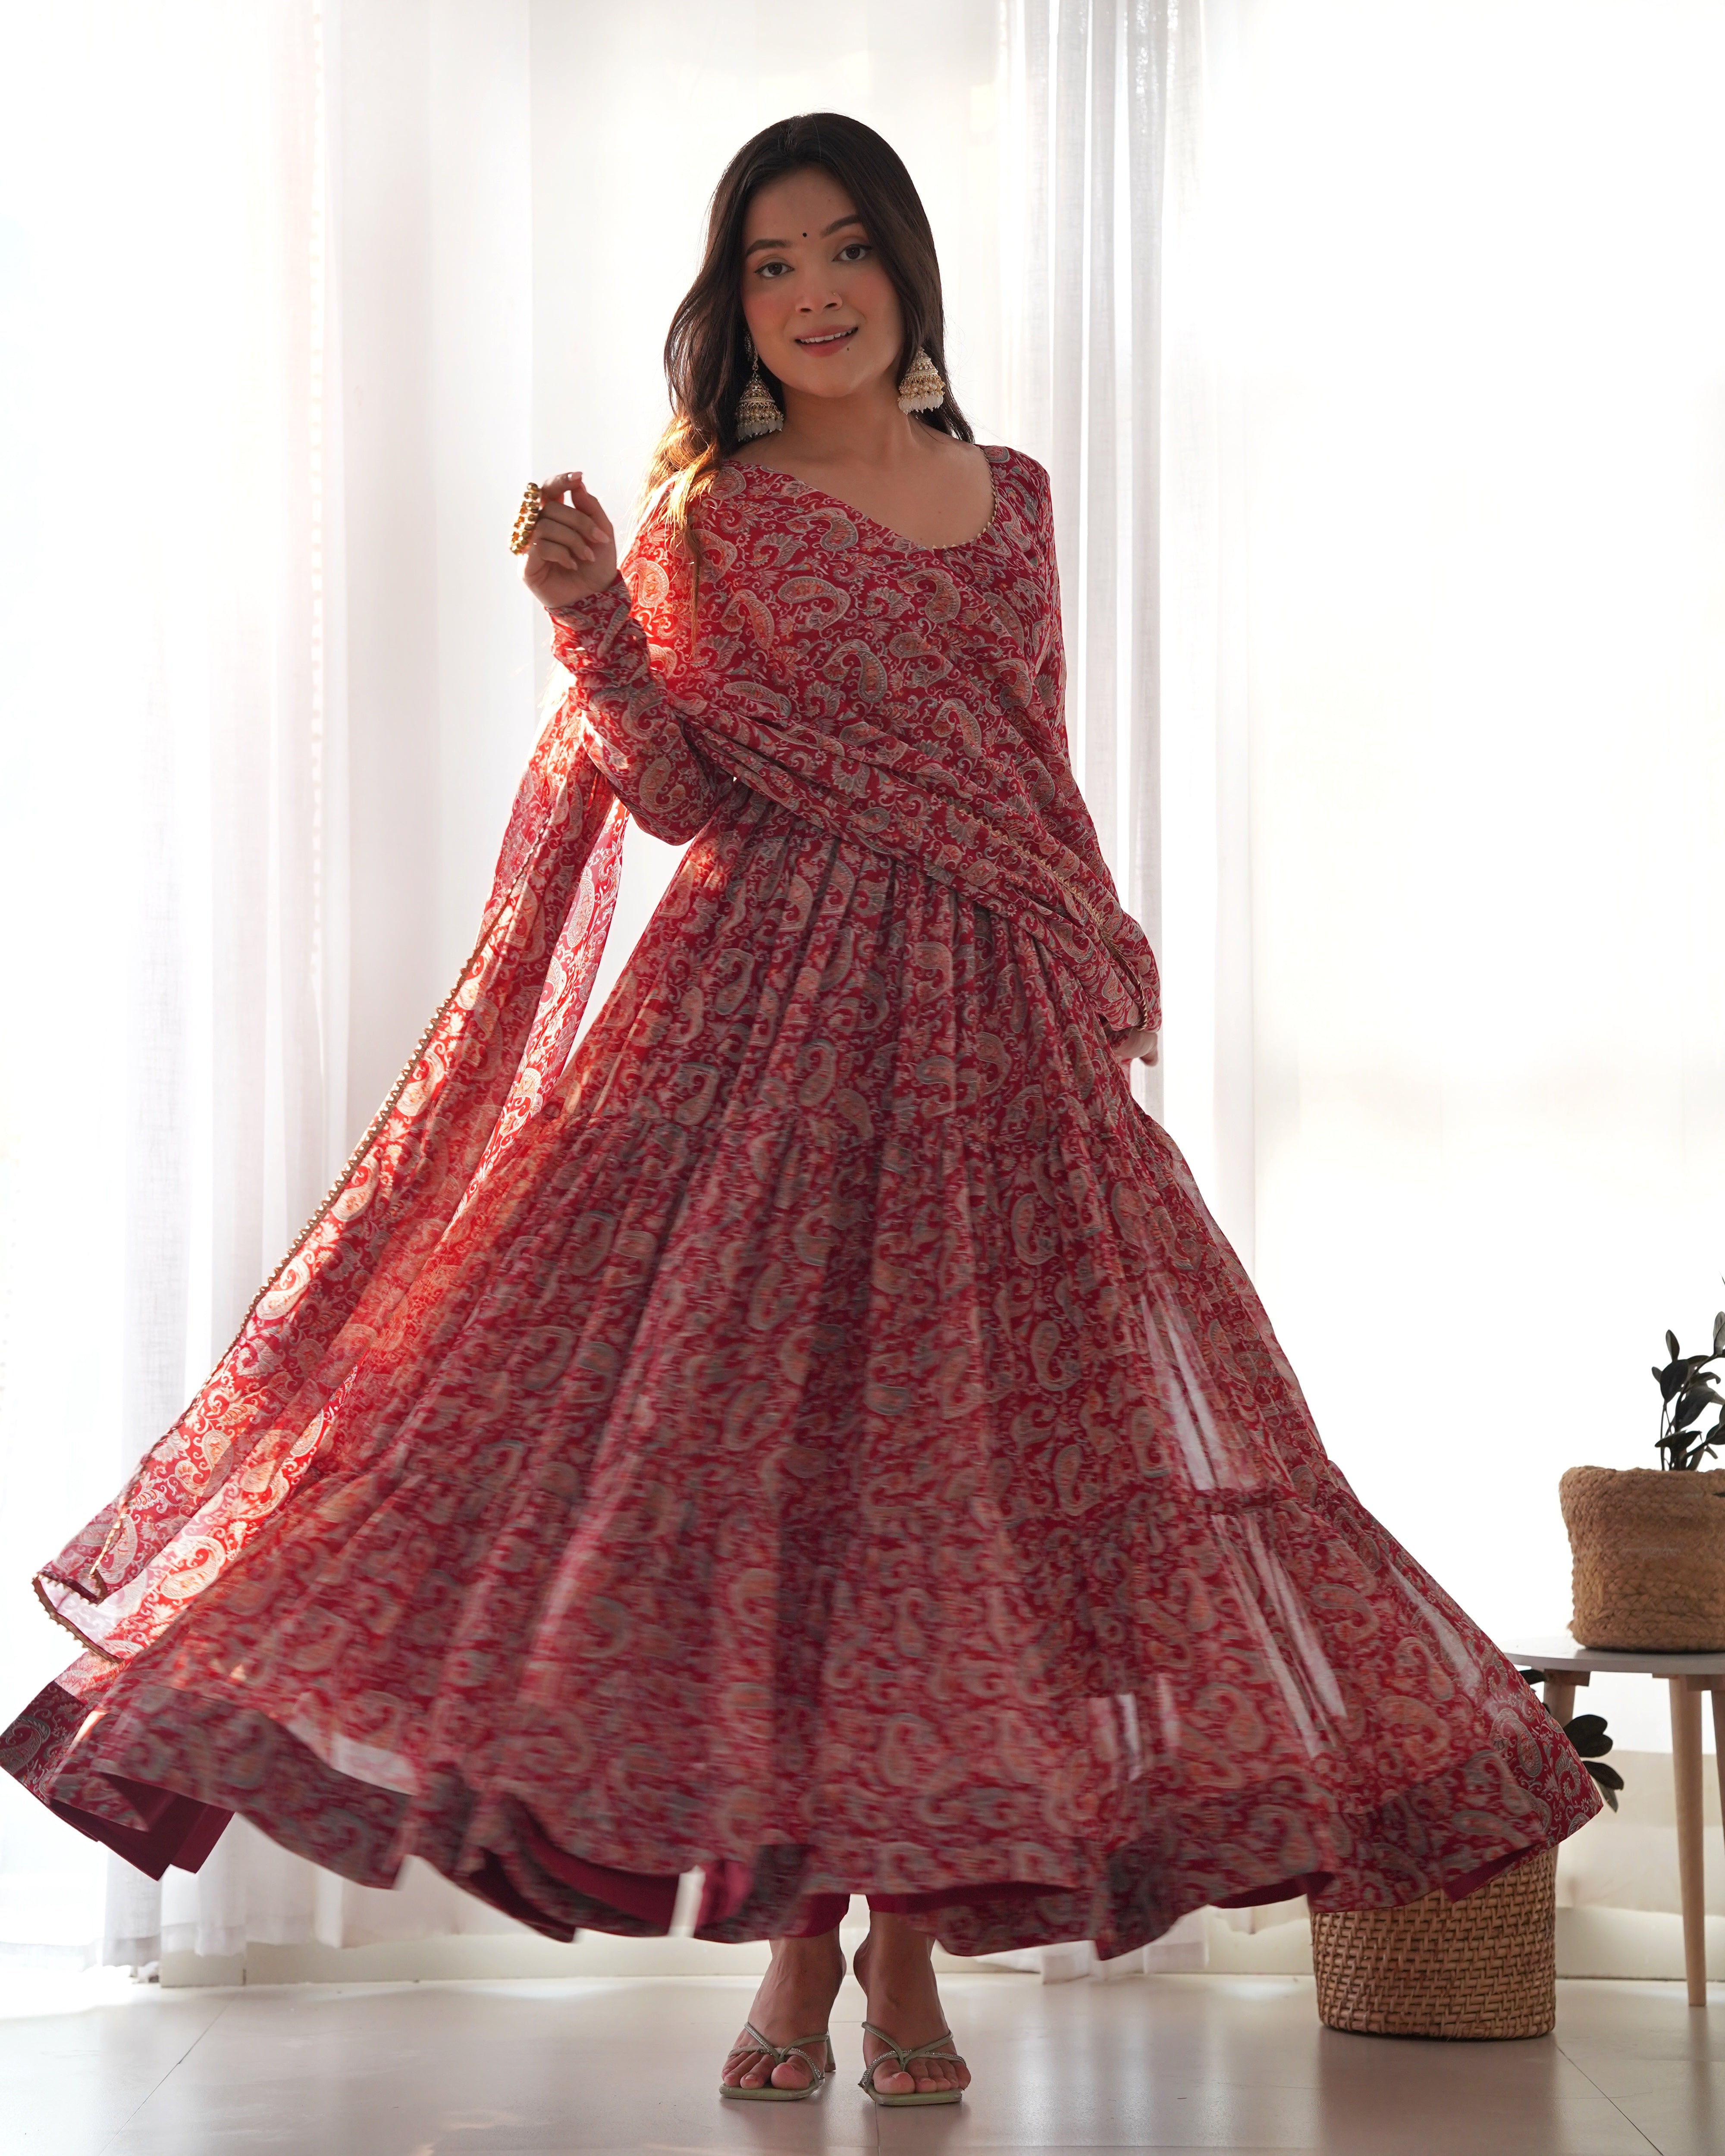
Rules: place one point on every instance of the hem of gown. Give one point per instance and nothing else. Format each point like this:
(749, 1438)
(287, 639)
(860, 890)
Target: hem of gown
(160, 1784)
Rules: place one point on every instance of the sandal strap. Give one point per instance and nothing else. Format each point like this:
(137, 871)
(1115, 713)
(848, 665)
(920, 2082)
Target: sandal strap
(903, 2053)
(779, 2053)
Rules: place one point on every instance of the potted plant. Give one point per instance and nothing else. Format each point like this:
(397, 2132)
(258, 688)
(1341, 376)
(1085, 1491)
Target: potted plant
(1482, 1968)
(1649, 1542)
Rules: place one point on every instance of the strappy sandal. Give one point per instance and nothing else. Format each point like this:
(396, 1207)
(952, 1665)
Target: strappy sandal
(903, 2057)
(779, 2053)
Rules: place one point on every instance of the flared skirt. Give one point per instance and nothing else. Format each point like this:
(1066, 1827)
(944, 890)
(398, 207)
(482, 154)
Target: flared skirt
(834, 1448)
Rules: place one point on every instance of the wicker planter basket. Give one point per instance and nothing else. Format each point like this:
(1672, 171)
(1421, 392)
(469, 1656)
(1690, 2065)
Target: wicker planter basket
(1482, 1968)
(1649, 1547)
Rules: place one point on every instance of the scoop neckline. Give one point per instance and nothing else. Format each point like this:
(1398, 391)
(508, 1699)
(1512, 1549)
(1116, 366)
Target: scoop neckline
(891, 530)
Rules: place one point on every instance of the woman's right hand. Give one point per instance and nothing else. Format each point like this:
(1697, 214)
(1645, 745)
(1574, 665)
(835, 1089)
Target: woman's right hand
(572, 553)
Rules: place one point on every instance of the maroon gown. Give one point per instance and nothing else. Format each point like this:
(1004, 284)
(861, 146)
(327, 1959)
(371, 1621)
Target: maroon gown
(813, 1431)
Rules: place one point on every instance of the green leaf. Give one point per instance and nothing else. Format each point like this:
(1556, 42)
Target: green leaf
(1671, 1379)
(1719, 1333)
(1609, 1779)
(1671, 1348)
(1587, 1733)
(1689, 1406)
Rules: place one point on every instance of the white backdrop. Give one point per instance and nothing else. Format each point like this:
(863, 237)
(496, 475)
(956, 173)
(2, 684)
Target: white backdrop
(1475, 359)
(173, 852)
(1390, 502)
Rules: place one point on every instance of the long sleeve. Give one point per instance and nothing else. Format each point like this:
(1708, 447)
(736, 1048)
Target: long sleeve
(628, 650)
(1068, 813)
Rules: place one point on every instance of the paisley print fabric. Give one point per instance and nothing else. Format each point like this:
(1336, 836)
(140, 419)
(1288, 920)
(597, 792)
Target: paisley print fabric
(813, 1432)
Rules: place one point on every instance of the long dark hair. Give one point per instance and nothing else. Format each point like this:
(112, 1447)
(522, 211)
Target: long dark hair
(706, 362)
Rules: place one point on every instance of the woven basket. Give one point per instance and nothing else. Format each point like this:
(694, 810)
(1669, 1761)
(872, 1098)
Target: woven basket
(1482, 1968)
(1649, 1547)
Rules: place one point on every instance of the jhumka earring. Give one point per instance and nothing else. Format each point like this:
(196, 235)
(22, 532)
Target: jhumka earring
(922, 389)
(756, 412)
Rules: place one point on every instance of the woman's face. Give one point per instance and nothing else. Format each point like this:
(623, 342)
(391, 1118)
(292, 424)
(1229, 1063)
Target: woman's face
(819, 307)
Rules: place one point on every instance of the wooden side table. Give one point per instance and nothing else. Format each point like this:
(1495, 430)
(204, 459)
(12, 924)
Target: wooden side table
(1566, 1666)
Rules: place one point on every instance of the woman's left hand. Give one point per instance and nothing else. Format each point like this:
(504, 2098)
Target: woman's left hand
(1144, 1046)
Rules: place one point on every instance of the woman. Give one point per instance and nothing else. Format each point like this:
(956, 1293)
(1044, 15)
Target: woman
(813, 1433)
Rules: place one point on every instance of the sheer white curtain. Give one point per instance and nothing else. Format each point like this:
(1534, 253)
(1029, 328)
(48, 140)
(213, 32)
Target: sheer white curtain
(1087, 86)
(1470, 544)
(1109, 189)
(205, 1003)
(173, 1047)
(1468, 541)
(1372, 356)
(1118, 187)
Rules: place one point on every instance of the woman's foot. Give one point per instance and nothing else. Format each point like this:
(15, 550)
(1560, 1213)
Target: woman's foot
(893, 1967)
(795, 2000)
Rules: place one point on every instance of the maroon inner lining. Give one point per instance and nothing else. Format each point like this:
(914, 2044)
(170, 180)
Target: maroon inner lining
(183, 1831)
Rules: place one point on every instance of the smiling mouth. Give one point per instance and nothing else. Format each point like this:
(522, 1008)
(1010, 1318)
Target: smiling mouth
(826, 339)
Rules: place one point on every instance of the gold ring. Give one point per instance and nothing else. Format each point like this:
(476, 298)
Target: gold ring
(526, 518)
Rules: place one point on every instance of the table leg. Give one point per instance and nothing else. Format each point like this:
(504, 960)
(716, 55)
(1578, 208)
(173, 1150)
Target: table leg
(1560, 1698)
(1685, 1770)
(1719, 1696)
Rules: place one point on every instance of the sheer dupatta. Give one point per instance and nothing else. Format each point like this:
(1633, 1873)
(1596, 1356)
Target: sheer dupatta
(497, 1044)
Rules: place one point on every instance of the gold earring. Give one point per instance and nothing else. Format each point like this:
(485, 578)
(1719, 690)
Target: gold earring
(922, 389)
(757, 414)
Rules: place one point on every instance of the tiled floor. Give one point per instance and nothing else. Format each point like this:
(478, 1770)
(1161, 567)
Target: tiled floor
(1166, 2063)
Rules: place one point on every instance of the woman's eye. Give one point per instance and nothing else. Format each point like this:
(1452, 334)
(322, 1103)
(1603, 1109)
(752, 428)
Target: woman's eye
(770, 269)
(853, 250)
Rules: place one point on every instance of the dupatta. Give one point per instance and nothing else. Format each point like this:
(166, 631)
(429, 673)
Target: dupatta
(479, 1071)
